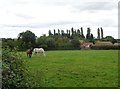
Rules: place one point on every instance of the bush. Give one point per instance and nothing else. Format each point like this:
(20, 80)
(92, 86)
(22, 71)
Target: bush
(75, 43)
(15, 74)
(106, 47)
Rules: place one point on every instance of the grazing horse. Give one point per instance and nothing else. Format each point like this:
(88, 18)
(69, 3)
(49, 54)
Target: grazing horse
(39, 50)
(29, 52)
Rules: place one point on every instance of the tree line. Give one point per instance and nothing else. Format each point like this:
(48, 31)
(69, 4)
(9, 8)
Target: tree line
(57, 40)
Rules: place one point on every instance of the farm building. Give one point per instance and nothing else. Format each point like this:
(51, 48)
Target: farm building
(84, 44)
(116, 43)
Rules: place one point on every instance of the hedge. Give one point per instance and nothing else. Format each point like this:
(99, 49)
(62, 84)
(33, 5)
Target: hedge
(105, 47)
(15, 73)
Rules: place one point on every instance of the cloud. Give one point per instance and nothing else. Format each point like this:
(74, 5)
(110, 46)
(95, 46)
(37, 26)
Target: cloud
(39, 25)
(49, 14)
(24, 16)
(93, 7)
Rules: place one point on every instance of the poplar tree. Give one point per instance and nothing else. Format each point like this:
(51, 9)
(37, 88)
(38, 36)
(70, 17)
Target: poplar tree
(58, 32)
(98, 32)
(54, 32)
(78, 32)
(101, 33)
(82, 35)
(72, 31)
(88, 36)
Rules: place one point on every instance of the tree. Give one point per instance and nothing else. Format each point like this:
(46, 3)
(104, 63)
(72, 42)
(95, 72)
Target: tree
(78, 32)
(82, 35)
(75, 43)
(27, 37)
(75, 32)
(69, 33)
(72, 31)
(110, 38)
(58, 32)
(81, 30)
(50, 42)
(101, 33)
(62, 32)
(50, 33)
(98, 32)
(88, 34)
(41, 42)
(92, 37)
(54, 32)
(88, 30)
(63, 43)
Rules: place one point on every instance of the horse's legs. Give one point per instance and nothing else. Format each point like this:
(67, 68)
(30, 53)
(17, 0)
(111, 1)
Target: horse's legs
(40, 53)
(35, 53)
(30, 55)
(44, 54)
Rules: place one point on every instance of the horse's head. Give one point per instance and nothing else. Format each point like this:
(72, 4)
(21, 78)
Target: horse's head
(31, 48)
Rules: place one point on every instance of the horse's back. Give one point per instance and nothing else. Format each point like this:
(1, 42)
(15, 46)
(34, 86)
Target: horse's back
(38, 49)
(28, 51)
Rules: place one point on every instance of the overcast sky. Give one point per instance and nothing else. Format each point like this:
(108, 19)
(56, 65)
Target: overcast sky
(39, 16)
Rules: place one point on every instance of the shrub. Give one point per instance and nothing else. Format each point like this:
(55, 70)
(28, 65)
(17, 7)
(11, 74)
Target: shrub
(15, 74)
(105, 47)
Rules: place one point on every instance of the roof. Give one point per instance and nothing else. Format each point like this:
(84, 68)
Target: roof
(84, 44)
(116, 43)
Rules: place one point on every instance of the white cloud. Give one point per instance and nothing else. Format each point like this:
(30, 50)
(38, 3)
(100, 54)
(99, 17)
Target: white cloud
(41, 15)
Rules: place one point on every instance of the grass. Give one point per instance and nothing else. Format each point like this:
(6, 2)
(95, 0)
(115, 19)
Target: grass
(75, 68)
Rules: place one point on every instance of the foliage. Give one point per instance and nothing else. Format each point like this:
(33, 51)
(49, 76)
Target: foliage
(101, 33)
(106, 47)
(28, 38)
(76, 44)
(89, 35)
(109, 38)
(57, 42)
(15, 73)
(50, 33)
(8, 43)
(98, 33)
(46, 42)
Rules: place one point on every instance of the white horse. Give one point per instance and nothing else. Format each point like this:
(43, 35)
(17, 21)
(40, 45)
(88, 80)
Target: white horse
(39, 50)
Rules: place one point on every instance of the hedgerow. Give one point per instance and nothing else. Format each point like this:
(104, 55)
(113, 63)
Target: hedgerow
(105, 47)
(15, 73)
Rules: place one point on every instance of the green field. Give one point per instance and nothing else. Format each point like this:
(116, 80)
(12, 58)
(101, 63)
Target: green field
(75, 68)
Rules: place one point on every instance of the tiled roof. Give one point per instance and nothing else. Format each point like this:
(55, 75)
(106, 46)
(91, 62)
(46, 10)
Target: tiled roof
(84, 44)
(116, 43)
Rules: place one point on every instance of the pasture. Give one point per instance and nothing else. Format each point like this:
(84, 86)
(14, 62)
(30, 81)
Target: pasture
(75, 68)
